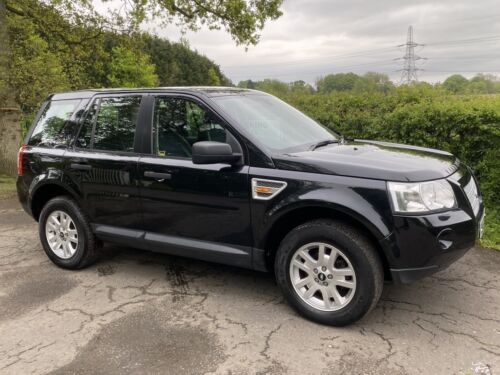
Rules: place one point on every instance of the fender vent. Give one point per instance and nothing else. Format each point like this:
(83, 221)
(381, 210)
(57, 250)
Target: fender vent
(266, 189)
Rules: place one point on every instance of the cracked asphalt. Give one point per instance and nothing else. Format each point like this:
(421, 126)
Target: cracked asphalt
(136, 312)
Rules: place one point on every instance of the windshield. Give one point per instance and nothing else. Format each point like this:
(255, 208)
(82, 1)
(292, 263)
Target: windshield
(273, 123)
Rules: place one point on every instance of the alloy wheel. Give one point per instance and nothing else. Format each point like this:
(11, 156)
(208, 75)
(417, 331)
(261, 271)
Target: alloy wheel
(322, 276)
(61, 234)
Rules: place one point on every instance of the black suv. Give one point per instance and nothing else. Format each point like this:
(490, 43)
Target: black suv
(239, 177)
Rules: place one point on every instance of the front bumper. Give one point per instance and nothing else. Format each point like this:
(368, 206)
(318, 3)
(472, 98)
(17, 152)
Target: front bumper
(423, 245)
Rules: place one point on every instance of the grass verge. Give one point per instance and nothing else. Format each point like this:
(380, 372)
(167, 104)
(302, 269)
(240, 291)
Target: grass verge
(7, 186)
(491, 237)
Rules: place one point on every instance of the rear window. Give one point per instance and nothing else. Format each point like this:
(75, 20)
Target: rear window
(53, 127)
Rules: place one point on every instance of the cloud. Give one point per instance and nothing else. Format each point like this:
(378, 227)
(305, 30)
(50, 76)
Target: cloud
(317, 37)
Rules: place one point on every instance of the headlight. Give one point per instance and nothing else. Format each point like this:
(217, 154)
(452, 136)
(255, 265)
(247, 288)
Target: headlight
(421, 196)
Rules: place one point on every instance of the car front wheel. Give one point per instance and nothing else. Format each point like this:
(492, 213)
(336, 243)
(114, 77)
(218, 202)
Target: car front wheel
(329, 272)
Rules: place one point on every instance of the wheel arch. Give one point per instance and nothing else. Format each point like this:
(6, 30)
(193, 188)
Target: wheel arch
(302, 214)
(44, 192)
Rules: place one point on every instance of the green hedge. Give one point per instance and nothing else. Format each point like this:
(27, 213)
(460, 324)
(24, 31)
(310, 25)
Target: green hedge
(467, 126)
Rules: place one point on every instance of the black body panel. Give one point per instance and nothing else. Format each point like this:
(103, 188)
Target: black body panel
(108, 185)
(374, 160)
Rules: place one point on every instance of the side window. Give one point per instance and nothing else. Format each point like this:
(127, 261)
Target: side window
(110, 124)
(115, 124)
(54, 128)
(178, 123)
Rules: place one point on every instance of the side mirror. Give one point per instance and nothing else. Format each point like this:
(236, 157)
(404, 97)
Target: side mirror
(208, 152)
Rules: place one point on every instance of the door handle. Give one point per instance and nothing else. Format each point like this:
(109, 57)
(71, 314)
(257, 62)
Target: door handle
(81, 167)
(158, 176)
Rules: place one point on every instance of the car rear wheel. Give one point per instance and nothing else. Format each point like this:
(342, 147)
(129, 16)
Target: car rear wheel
(65, 234)
(329, 272)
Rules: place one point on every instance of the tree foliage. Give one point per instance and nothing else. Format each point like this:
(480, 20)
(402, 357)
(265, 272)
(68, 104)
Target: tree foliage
(374, 82)
(276, 87)
(479, 84)
(369, 82)
(32, 66)
(242, 19)
(213, 77)
(49, 53)
(176, 64)
(130, 68)
(337, 82)
(4, 56)
(455, 83)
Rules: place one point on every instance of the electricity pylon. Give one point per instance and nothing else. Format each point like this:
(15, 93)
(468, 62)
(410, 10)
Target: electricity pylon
(409, 71)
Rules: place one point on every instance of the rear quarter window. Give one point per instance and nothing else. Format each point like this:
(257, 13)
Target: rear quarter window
(54, 127)
(110, 124)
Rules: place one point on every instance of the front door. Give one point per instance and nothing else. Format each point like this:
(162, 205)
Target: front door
(188, 209)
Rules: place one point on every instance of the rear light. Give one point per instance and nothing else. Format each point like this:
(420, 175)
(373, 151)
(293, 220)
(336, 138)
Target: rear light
(20, 160)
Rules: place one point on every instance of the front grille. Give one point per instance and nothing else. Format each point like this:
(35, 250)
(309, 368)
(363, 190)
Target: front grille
(472, 193)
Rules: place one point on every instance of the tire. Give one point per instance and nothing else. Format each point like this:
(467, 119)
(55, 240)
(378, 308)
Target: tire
(354, 256)
(76, 255)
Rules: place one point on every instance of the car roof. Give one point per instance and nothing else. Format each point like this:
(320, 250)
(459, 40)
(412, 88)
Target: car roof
(196, 90)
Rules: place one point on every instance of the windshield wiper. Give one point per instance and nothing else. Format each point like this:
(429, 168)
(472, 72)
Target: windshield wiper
(324, 143)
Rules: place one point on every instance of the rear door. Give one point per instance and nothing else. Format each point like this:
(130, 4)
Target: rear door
(203, 209)
(103, 162)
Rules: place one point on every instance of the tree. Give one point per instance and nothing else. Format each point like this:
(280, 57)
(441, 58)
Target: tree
(130, 69)
(5, 96)
(242, 19)
(213, 77)
(80, 40)
(301, 87)
(456, 84)
(483, 84)
(273, 86)
(374, 82)
(55, 55)
(248, 84)
(33, 69)
(337, 82)
(177, 65)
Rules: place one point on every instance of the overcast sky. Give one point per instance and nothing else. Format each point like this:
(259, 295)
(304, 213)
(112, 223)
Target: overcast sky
(317, 37)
